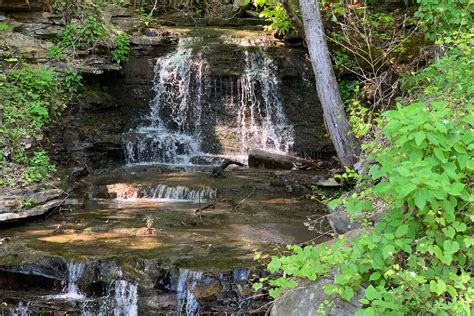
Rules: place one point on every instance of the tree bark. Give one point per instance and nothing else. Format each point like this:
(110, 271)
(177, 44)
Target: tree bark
(347, 146)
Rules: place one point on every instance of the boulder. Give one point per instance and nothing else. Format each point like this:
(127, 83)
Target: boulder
(308, 297)
(265, 159)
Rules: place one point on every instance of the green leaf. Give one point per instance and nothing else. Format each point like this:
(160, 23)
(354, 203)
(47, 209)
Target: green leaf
(257, 286)
(438, 286)
(387, 251)
(375, 276)
(439, 154)
(274, 265)
(450, 246)
(372, 293)
(348, 293)
(401, 230)
(419, 137)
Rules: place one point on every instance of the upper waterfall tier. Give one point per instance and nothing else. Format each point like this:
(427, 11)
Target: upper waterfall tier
(183, 124)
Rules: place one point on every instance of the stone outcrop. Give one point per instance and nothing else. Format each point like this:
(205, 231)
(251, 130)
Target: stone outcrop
(309, 296)
(30, 202)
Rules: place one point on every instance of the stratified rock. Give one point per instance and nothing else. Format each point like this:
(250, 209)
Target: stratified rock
(20, 5)
(146, 40)
(264, 159)
(32, 212)
(44, 196)
(307, 298)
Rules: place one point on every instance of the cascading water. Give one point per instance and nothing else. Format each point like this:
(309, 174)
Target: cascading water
(126, 299)
(273, 131)
(71, 290)
(187, 303)
(185, 97)
(162, 192)
(178, 86)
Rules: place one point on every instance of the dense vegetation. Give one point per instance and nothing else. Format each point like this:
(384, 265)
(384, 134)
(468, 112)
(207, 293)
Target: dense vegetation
(413, 114)
(414, 253)
(34, 96)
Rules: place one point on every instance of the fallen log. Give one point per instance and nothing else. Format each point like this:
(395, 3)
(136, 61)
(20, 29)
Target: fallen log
(264, 159)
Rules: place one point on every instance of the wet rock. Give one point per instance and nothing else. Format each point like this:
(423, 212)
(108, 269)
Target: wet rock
(2, 18)
(44, 196)
(264, 159)
(330, 182)
(32, 212)
(306, 299)
(80, 171)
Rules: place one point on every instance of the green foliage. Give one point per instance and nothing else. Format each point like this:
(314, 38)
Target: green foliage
(442, 17)
(274, 12)
(418, 258)
(4, 26)
(76, 35)
(38, 168)
(31, 97)
(122, 48)
(450, 78)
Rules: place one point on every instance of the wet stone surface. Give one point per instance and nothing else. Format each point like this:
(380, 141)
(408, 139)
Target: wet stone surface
(130, 252)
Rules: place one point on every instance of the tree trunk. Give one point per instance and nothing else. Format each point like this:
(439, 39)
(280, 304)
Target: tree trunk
(347, 146)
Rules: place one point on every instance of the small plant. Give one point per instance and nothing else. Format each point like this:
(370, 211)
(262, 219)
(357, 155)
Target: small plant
(347, 178)
(149, 222)
(4, 26)
(55, 51)
(27, 203)
(122, 48)
(72, 81)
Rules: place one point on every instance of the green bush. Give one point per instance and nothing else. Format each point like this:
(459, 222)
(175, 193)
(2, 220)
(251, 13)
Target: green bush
(418, 258)
(122, 48)
(31, 97)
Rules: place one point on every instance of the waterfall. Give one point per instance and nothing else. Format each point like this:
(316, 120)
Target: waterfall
(124, 302)
(273, 132)
(71, 290)
(21, 310)
(162, 192)
(178, 86)
(187, 99)
(187, 303)
(75, 270)
(126, 299)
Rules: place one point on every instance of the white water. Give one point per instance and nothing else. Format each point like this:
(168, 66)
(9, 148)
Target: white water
(187, 304)
(126, 299)
(20, 310)
(272, 132)
(124, 302)
(178, 86)
(71, 290)
(172, 131)
(163, 193)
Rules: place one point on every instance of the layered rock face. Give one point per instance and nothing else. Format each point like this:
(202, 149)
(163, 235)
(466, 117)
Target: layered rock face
(224, 90)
